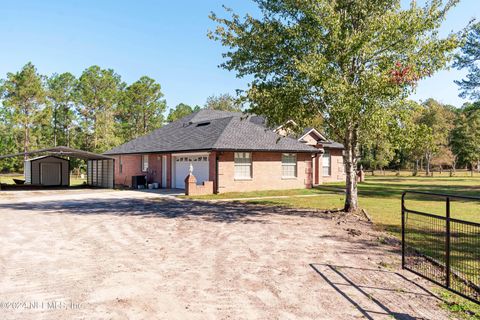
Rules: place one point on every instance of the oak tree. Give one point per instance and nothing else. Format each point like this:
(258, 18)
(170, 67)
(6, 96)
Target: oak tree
(344, 60)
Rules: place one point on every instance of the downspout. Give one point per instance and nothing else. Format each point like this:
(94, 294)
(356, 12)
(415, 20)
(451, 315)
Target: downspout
(216, 174)
(113, 164)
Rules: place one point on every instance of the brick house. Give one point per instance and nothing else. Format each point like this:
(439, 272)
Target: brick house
(236, 152)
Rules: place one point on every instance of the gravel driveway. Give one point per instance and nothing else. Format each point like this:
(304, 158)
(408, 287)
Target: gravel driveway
(132, 255)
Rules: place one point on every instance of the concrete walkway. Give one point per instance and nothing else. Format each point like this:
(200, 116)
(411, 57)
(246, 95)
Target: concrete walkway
(260, 198)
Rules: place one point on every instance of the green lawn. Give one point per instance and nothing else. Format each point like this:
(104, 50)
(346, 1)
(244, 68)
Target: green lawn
(8, 179)
(380, 196)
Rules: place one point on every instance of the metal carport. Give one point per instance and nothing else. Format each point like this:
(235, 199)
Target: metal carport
(100, 168)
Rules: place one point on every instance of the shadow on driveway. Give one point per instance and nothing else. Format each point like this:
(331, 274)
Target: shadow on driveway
(377, 292)
(160, 208)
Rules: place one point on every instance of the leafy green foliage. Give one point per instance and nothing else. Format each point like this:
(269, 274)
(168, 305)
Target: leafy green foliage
(180, 111)
(94, 113)
(469, 59)
(141, 108)
(348, 61)
(23, 94)
(437, 121)
(97, 94)
(223, 102)
(465, 137)
(61, 97)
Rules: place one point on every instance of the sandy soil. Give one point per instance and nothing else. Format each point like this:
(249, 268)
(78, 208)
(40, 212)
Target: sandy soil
(130, 255)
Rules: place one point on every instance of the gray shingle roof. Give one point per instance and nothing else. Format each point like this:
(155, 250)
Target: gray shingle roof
(332, 145)
(326, 143)
(212, 130)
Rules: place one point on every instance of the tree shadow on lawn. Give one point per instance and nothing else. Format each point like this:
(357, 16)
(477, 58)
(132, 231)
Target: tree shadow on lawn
(155, 208)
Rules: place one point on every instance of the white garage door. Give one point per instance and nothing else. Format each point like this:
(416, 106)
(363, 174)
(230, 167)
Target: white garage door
(182, 165)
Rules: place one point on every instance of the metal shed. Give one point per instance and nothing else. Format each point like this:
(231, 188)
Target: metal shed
(100, 173)
(100, 168)
(47, 171)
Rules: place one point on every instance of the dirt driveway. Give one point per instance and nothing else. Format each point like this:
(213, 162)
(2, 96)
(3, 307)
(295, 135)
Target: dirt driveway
(130, 255)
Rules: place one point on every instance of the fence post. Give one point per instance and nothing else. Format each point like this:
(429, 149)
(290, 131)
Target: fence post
(403, 230)
(447, 243)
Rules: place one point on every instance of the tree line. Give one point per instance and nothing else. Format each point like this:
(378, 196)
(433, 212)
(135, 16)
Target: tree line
(433, 134)
(428, 136)
(93, 112)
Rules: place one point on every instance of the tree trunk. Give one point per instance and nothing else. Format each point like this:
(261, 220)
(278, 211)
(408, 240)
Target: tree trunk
(471, 169)
(427, 168)
(68, 137)
(55, 127)
(25, 142)
(415, 168)
(144, 123)
(350, 160)
(95, 119)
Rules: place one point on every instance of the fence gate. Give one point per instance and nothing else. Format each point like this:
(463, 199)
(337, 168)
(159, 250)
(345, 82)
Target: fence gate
(440, 248)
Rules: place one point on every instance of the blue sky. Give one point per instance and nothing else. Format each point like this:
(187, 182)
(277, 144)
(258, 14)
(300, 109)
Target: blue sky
(165, 40)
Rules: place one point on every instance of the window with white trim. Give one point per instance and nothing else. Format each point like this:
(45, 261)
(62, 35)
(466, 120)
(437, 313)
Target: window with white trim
(289, 165)
(243, 165)
(144, 162)
(326, 164)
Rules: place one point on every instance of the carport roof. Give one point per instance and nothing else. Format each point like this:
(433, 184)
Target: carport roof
(61, 151)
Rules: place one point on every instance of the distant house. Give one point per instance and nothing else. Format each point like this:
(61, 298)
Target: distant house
(237, 152)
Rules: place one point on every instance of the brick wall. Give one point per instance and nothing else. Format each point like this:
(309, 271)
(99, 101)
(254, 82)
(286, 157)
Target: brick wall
(155, 168)
(194, 189)
(131, 166)
(266, 173)
(212, 176)
(337, 168)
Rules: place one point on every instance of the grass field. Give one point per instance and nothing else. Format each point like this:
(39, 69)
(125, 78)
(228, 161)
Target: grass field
(380, 196)
(8, 179)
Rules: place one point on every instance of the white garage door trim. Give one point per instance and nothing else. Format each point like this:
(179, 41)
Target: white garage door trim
(181, 164)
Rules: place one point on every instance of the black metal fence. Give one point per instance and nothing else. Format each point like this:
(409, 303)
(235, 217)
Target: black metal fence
(440, 247)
